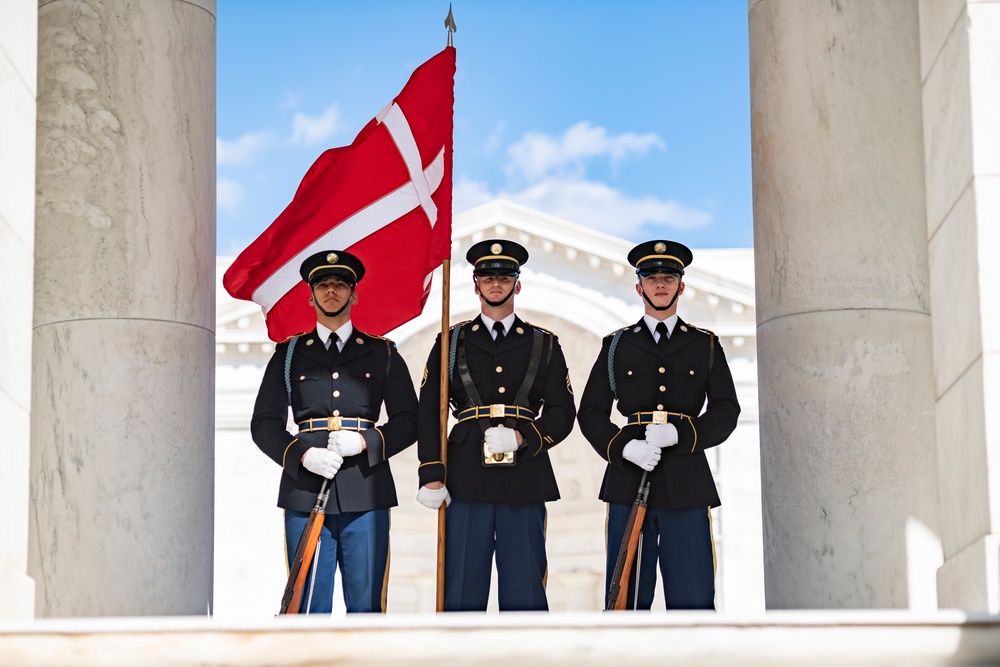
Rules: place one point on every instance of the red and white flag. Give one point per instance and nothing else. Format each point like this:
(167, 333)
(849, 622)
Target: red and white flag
(386, 198)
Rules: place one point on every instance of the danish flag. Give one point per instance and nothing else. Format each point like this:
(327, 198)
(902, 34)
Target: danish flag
(386, 198)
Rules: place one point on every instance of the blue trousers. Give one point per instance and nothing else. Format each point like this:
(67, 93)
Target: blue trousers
(681, 542)
(516, 534)
(357, 542)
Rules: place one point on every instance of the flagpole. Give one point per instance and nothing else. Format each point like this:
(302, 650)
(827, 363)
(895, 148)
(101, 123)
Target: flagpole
(443, 421)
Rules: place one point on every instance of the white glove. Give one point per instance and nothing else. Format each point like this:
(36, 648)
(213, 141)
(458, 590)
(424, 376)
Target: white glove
(345, 443)
(432, 498)
(322, 462)
(500, 440)
(661, 435)
(642, 454)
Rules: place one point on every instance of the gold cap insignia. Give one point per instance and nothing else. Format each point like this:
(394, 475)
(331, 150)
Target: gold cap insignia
(332, 258)
(496, 248)
(660, 247)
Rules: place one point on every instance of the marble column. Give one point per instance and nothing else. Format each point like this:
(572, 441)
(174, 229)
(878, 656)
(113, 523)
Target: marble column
(849, 467)
(960, 67)
(18, 31)
(123, 390)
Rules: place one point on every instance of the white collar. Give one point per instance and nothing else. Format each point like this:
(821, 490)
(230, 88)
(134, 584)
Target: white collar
(507, 323)
(343, 333)
(651, 323)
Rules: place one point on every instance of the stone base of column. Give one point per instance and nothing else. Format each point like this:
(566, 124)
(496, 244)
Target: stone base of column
(17, 595)
(970, 579)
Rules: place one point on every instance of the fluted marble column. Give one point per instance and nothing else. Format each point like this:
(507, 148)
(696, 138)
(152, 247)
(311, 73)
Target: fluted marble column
(849, 474)
(18, 30)
(123, 411)
(960, 54)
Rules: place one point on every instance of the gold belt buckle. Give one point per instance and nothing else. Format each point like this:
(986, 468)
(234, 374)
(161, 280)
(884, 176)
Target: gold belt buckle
(498, 411)
(334, 423)
(660, 417)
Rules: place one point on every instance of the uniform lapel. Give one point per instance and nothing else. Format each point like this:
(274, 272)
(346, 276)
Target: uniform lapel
(519, 334)
(355, 347)
(640, 336)
(313, 348)
(680, 338)
(477, 335)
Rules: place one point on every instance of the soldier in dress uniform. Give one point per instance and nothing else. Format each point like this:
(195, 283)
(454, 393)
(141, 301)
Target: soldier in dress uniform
(661, 372)
(499, 476)
(336, 379)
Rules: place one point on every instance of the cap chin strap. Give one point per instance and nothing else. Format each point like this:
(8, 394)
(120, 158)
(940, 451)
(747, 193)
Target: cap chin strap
(661, 308)
(496, 304)
(336, 312)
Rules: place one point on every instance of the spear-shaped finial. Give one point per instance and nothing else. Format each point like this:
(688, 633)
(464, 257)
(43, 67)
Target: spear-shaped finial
(449, 23)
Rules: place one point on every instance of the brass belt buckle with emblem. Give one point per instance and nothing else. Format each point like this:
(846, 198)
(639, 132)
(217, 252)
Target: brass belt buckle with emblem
(334, 423)
(660, 417)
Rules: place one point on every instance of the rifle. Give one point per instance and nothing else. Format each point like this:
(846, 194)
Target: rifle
(291, 600)
(630, 544)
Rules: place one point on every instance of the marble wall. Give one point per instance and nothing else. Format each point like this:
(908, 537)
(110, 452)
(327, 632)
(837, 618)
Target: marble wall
(123, 353)
(960, 70)
(843, 304)
(18, 32)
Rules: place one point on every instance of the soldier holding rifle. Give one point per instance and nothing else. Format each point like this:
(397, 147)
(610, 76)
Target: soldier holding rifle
(510, 392)
(336, 379)
(674, 389)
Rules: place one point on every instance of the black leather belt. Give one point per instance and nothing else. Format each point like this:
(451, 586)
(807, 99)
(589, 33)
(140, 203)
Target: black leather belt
(496, 411)
(655, 417)
(335, 424)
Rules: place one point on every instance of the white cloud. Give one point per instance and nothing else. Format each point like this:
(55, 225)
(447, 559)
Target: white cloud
(313, 130)
(470, 194)
(588, 203)
(229, 194)
(538, 155)
(243, 150)
(602, 207)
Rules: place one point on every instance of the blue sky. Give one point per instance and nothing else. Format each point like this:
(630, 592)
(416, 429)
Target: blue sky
(631, 117)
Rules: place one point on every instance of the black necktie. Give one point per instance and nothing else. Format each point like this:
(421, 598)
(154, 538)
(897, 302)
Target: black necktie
(661, 329)
(498, 327)
(333, 349)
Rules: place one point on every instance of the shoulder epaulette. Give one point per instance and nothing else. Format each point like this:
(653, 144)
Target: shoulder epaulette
(617, 330)
(458, 324)
(388, 340)
(294, 336)
(703, 330)
(542, 329)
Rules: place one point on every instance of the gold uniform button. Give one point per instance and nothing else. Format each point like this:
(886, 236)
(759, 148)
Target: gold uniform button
(690, 372)
(659, 407)
(336, 375)
(302, 377)
(662, 369)
(630, 372)
(499, 369)
(662, 388)
(501, 390)
(336, 413)
(368, 375)
(336, 394)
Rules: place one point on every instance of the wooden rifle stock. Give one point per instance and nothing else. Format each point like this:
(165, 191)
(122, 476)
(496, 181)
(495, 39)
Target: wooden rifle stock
(291, 600)
(617, 592)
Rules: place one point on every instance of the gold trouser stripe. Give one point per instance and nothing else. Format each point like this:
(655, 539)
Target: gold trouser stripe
(545, 531)
(715, 563)
(388, 560)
